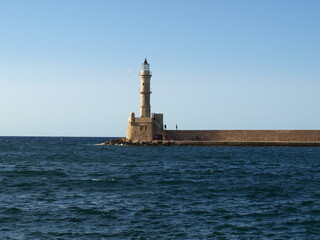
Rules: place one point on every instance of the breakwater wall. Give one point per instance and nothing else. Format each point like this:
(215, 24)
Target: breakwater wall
(245, 135)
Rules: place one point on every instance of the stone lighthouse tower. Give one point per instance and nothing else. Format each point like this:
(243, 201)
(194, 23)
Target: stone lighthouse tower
(145, 76)
(149, 126)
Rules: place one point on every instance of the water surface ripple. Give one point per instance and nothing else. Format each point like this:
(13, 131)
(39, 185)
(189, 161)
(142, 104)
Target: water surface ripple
(70, 188)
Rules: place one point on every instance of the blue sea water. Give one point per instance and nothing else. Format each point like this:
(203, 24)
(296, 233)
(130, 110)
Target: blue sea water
(71, 188)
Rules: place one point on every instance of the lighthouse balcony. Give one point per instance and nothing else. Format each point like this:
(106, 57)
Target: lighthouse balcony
(145, 92)
(143, 119)
(145, 73)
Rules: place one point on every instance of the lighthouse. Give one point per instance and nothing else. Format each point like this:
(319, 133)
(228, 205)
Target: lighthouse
(149, 126)
(145, 76)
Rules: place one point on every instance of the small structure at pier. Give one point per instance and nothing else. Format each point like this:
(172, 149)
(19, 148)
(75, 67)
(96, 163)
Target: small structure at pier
(149, 126)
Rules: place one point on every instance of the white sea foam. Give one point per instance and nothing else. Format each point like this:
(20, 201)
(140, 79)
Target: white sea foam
(103, 179)
(98, 144)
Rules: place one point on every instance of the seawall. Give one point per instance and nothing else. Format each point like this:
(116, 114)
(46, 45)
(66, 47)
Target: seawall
(293, 138)
(248, 136)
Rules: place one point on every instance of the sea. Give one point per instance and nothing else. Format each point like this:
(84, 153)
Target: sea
(76, 188)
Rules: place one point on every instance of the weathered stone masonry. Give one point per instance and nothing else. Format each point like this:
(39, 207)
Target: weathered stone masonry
(246, 135)
(148, 126)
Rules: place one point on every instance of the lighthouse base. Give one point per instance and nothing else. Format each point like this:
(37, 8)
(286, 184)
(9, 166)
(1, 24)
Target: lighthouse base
(145, 128)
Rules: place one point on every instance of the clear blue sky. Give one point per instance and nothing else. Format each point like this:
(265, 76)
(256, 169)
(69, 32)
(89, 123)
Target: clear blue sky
(71, 67)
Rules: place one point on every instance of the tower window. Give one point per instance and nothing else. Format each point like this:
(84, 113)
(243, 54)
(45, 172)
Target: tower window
(143, 128)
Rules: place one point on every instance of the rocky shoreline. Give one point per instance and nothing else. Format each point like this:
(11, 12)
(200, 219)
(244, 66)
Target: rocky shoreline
(123, 141)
